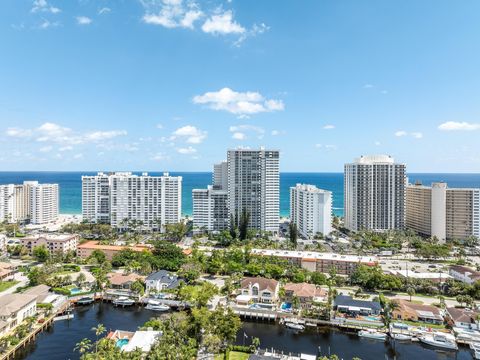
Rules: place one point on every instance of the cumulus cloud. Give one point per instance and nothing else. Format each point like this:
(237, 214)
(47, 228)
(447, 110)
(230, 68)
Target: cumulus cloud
(192, 134)
(222, 24)
(51, 132)
(278, 132)
(400, 133)
(83, 20)
(171, 13)
(239, 132)
(239, 136)
(458, 126)
(44, 6)
(238, 103)
(328, 127)
(187, 151)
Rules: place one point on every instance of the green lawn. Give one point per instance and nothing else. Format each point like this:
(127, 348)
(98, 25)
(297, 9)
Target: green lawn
(414, 323)
(234, 355)
(4, 285)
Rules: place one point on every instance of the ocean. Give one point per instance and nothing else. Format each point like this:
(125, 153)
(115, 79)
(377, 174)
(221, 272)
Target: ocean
(71, 185)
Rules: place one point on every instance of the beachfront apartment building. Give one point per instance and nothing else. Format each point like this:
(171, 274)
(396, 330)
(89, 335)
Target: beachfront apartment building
(122, 199)
(30, 202)
(320, 262)
(311, 210)
(254, 187)
(443, 212)
(210, 209)
(374, 194)
(220, 176)
(55, 243)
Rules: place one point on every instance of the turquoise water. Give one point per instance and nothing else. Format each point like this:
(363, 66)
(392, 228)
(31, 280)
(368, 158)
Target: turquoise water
(71, 185)
(121, 343)
(75, 291)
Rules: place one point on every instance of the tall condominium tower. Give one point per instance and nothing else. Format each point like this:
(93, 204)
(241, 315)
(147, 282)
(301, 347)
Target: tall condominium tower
(311, 210)
(446, 213)
(29, 202)
(254, 186)
(210, 211)
(374, 194)
(220, 176)
(43, 202)
(151, 201)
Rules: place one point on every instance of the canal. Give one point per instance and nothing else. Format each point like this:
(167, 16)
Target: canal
(59, 341)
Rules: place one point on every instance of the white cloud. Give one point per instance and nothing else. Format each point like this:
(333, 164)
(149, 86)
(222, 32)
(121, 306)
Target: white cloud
(239, 136)
(239, 103)
(83, 20)
(159, 126)
(78, 156)
(192, 134)
(187, 150)
(327, 147)
(278, 132)
(222, 24)
(377, 143)
(51, 132)
(159, 157)
(104, 10)
(415, 134)
(171, 13)
(45, 149)
(44, 6)
(329, 127)
(459, 126)
(45, 24)
(66, 148)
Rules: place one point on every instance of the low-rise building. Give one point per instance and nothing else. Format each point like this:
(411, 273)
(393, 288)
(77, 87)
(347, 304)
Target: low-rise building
(305, 293)
(464, 274)
(130, 341)
(463, 318)
(161, 280)
(14, 308)
(7, 271)
(258, 290)
(436, 277)
(410, 311)
(54, 243)
(86, 249)
(348, 305)
(120, 281)
(320, 262)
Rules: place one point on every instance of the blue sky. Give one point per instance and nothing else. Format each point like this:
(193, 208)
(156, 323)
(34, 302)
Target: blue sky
(171, 85)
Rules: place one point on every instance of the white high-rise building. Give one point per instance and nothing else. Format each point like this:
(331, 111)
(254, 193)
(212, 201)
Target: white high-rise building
(150, 201)
(96, 198)
(43, 202)
(374, 194)
(254, 186)
(311, 210)
(30, 202)
(210, 210)
(220, 176)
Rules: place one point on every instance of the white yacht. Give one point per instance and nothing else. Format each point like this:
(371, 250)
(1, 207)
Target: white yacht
(401, 337)
(372, 334)
(123, 301)
(476, 349)
(294, 325)
(156, 306)
(444, 341)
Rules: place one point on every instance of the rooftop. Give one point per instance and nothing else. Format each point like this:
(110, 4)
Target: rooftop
(306, 255)
(96, 246)
(345, 300)
(11, 303)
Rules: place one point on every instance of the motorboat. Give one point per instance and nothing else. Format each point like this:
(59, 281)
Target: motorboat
(67, 316)
(444, 341)
(401, 337)
(372, 334)
(123, 301)
(86, 300)
(294, 325)
(475, 346)
(157, 306)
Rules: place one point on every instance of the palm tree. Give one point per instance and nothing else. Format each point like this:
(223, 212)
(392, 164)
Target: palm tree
(83, 346)
(99, 330)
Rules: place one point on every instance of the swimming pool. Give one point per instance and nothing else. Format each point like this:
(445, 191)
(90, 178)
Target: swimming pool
(75, 291)
(121, 343)
(286, 307)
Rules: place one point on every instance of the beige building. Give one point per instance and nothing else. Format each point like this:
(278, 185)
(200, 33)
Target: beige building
(54, 243)
(446, 213)
(14, 308)
(86, 249)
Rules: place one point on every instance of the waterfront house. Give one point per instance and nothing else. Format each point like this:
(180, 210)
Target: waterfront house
(161, 280)
(464, 274)
(305, 293)
(120, 281)
(258, 290)
(463, 318)
(14, 308)
(128, 341)
(410, 311)
(62, 243)
(45, 296)
(347, 305)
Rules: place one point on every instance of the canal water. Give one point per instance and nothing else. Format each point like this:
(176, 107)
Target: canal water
(59, 341)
